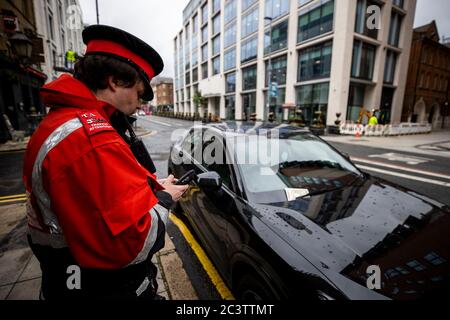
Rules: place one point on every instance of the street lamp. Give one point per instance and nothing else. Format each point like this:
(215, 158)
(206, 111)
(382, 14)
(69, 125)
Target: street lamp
(23, 48)
(269, 70)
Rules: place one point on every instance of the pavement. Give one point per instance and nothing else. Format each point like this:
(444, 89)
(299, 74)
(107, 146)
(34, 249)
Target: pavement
(436, 143)
(20, 273)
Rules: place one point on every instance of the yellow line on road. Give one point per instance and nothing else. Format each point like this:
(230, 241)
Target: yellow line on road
(15, 196)
(217, 281)
(13, 200)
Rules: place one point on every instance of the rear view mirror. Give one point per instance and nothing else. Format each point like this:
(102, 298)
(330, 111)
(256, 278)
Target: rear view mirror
(209, 180)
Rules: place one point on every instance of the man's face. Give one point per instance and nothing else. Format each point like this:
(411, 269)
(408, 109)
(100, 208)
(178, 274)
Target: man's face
(128, 100)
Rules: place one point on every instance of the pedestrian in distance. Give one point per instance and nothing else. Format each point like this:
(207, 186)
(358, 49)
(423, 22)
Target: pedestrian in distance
(96, 211)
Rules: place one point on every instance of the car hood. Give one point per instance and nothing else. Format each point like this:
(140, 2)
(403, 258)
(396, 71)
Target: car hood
(372, 223)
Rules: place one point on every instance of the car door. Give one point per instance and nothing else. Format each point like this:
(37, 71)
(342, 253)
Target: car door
(214, 210)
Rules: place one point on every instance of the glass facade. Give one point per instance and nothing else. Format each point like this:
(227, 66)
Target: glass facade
(362, 17)
(276, 8)
(229, 59)
(249, 49)
(312, 101)
(216, 65)
(250, 22)
(279, 38)
(391, 63)
(316, 21)
(314, 62)
(230, 82)
(249, 77)
(230, 35)
(279, 69)
(363, 60)
(230, 11)
(230, 107)
(395, 28)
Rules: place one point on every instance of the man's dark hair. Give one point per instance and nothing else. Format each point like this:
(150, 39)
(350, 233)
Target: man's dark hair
(94, 71)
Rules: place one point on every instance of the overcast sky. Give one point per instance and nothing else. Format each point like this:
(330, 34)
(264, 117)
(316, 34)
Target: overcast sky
(157, 21)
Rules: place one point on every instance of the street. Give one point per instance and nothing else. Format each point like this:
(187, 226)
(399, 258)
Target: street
(425, 174)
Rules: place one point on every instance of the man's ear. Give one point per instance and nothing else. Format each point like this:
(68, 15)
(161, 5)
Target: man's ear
(112, 85)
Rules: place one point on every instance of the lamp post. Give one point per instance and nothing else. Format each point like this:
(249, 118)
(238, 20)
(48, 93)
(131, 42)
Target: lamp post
(96, 8)
(23, 48)
(269, 71)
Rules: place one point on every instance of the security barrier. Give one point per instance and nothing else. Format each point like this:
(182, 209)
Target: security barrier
(400, 129)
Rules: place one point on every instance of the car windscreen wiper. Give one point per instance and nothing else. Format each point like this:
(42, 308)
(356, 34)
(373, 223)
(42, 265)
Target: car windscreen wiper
(322, 191)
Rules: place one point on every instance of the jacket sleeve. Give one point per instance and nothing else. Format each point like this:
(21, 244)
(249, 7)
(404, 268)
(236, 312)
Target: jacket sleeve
(106, 208)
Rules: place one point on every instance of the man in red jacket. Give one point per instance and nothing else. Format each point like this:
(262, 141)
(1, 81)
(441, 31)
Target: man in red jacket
(93, 207)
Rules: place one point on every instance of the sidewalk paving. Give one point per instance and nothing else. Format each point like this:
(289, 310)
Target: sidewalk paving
(436, 143)
(20, 274)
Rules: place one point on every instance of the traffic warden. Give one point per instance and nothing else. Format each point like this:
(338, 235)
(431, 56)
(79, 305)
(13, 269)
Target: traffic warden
(94, 206)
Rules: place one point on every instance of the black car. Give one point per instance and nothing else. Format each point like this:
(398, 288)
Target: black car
(309, 224)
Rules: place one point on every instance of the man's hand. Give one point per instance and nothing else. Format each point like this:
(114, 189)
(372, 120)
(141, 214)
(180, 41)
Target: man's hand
(175, 191)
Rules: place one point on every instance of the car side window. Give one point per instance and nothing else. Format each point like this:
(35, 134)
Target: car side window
(221, 168)
(192, 142)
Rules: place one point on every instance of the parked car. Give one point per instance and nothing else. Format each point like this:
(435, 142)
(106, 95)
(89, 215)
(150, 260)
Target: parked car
(311, 225)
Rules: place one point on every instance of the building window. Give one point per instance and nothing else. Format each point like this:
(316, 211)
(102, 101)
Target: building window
(363, 60)
(314, 62)
(249, 49)
(395, 28)
(205, 52)
(316, 21)
(230, 107)
(248, 105)
(229, 59)
(279, 38)
(250, 22)
(216, 24)
(389, 70)
(194, 57)
(279, 67)
(230, 85)
(362, 17)
(398, 3)
(205, 13)
(247, 3)
(230, 35)
(188, 78)
(249, 77)
(230, 11)
(216, 6)
(216, 45)
(312, 100)
(195, 24)
(204, 34)
(434, 259)
(276, 104)
(205, 70)
(416, 265)
(194, 75)
(355, 101)
(276, 8)
(51, 31)
(216, 65)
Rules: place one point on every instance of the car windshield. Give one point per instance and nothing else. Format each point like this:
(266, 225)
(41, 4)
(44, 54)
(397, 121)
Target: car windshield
(301, 162)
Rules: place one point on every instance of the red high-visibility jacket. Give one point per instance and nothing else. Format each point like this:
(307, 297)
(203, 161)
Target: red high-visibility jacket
(87, 192)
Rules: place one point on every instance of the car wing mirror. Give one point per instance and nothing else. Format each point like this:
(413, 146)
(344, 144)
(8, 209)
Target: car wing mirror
(209, 180)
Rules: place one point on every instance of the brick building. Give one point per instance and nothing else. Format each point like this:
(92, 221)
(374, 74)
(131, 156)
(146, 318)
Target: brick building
(163, 89)
(427, 91)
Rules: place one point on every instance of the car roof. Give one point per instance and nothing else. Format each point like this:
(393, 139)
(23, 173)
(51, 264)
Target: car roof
(234, 128)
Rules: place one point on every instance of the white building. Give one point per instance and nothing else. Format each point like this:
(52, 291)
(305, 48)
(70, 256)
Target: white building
(60, 24)
(324, 56)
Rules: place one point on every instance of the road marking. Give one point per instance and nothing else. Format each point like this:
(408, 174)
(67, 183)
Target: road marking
(406, 176)
(216, 279)
(14, 196)
(412, 160)
(392, 166)
(159, 122)
(13, 200)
